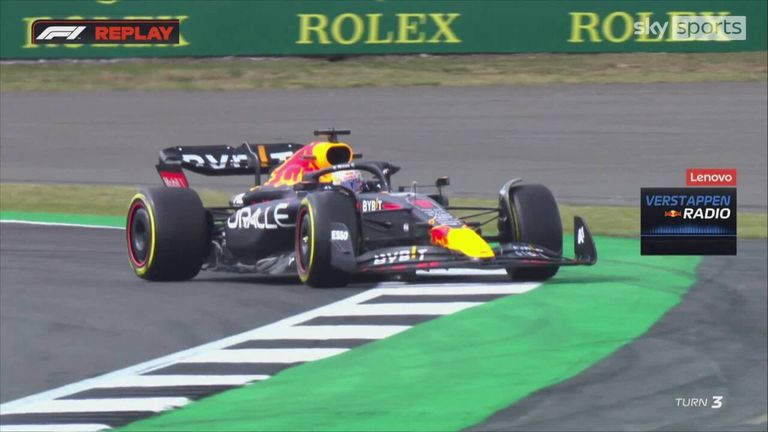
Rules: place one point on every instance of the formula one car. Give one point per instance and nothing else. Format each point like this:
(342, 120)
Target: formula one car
(326, 217)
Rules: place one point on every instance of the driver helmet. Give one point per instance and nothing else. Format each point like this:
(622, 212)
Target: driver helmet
(350, 179)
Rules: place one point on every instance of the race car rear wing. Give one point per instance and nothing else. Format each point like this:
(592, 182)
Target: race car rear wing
(222, 160)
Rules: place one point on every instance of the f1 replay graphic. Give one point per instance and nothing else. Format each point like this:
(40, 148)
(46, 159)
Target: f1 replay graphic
(326, 218)
(105, 32)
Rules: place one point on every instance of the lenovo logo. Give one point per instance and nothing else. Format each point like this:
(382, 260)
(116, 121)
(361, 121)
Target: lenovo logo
(710, 177)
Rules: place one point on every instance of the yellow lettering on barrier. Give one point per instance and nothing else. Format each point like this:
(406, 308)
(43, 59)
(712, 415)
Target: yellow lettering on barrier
(608, 27)
(357, 28)
(373, 30)
(407, 27)
(349, 28)
(318, 28)
(443, 23)
(578, 27)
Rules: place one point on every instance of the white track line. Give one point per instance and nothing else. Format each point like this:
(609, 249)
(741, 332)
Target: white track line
(63, 224)
(476, 288)
(179, 380)
(265, 355)
(400, 309)
(267, 331)
(288, 328)
(73, 427)
(328, 332)
(461, 272)
(155, 404)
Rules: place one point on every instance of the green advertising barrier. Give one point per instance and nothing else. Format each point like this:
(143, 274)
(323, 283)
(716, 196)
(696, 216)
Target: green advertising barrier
(321, 27)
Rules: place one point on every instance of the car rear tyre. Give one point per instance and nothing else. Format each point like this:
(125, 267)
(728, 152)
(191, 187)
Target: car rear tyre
(167, 234)
(533, 218)
(317, 213)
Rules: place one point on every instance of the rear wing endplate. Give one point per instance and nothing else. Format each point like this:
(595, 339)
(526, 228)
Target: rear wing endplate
(222, 160)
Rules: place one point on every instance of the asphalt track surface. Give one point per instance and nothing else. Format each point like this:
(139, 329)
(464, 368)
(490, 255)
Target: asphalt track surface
(589, 143)
(713, 343)
(71, 308)
(62, 323)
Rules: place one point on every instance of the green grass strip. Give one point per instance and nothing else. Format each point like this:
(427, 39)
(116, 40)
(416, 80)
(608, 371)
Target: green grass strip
(455, 371)
(376, 71)
(64, 218)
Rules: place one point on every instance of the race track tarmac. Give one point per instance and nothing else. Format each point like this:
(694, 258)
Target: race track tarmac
(712, 344)
(71, 308)
(589, 143)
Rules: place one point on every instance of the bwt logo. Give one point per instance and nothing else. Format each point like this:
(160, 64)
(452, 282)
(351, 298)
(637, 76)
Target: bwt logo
(66, 32)
(224, 160)
(400, 256)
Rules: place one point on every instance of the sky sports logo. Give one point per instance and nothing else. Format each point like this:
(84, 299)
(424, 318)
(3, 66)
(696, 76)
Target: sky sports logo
(136, 32)
(695, 28)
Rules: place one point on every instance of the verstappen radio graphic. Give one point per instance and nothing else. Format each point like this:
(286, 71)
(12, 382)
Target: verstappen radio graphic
(105, 32)
(688, 221)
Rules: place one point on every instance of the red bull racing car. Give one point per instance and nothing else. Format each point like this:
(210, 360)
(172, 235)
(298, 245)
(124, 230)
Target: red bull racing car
(318, 212)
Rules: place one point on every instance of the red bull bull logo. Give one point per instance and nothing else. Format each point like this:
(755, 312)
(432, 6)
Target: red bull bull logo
(461, 239)
(672, 214)
(317, 155)
(439, 235)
